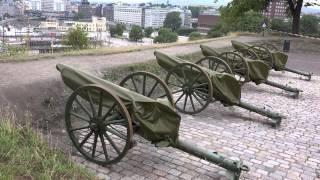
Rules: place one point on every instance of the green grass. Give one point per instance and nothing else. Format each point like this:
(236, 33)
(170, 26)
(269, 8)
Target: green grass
(25, 155)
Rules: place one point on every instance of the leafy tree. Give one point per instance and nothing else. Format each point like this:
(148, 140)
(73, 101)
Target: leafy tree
(214, 33)
(136, 33)
(195, 11)
(77, 38)
(117, 30)
(186, 31)
(166, 36)
(309, 24)
(173, 21)
(251, 21)
(148, 31)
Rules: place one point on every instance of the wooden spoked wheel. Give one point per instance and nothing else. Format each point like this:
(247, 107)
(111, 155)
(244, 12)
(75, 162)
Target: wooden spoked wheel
(264, 54)
(98, 124)
(215, 64)
(191, 88)
(147, 84)
(269, 46)
(238, 65)
(247, 53)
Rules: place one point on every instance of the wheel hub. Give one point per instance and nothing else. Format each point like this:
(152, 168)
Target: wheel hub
(97, 125)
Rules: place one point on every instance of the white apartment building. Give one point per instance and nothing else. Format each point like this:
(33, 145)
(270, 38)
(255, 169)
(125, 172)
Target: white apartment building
(130, 15)
(154, 17)
(35, 5)
(54, 5)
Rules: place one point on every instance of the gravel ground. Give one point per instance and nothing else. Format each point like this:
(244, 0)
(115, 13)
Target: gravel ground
(290, 151)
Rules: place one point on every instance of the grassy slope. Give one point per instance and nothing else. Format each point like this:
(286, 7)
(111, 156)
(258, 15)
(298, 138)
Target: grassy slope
(25, 155)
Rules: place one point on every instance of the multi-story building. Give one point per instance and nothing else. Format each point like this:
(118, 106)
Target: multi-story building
(108, 12)
(12, 7)
(85, 9)
(96, 24)
(206, 22)
(54, 5)
(130, 15)
(35, 5)
(276, 10)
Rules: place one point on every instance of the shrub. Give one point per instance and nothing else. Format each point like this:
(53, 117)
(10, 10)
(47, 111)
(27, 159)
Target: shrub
(166, 36)
(186, 31)
(195, 36)
(136, 33)
(250, 21)
(280, 25)
(148, 31)
(214, 34)
(78, 38)
(309, 24)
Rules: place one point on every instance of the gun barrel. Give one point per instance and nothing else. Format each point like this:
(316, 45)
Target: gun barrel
(275, 117)
(236, 167)
(299, 72)
(286, 88)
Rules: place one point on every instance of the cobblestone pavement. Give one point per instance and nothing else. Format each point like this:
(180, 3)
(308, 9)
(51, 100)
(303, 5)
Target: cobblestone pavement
(291, 151)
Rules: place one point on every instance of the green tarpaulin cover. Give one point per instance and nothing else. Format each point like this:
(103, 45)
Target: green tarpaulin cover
(225, 87)
(279, 59)
(258, 70)
(159, 123)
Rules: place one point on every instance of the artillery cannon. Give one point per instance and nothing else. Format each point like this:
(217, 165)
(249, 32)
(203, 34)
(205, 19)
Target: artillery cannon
(101, 118)
(245, 69)
(196, 87)
(270, 54)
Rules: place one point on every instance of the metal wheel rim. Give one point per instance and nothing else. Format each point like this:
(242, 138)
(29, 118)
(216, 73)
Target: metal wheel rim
(96, 124)
(238, 65)
(190, 89)
(158, 82)
(215, 64)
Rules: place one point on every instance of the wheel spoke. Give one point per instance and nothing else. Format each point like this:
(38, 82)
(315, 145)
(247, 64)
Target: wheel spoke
(100, 104)
(195, 79)
(86, 138)
(184, 75)
(185, 102)
(109, 111)
(117, 121)
(144, 85)
(80, 128)
(91, 104)
(174, 92)
(196, 97)
(180, 97)
(152, 89)
(94, 145)
(177, 77)
(104, 147)
(202, 94)
(112, 143)
(115, 132)
(82, 107)
(134, 84)
(169, 83)
(200, 85)
(80, 117)
(191, 100)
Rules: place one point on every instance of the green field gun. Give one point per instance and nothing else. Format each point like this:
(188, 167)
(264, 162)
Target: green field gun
(244, 68)
(101, 118)
(195, 87)
(270, 54)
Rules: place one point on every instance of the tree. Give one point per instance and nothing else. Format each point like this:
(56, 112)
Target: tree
(309, 24)
(78, 38)
(251, 21)
(136, 33)
(281, 25)
(195, 11)
(148, 31)
(166, 36)
(173, 21)
(117, 30)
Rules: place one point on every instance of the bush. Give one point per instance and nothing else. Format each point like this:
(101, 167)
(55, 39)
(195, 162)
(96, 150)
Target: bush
(186, 31)
(166, 36)
(280, 25)
(136, 33)
(195, 36)
(214, 34)
(117, 30)
(309, 24)
(251, 21)
(78, 38)
(148, 31)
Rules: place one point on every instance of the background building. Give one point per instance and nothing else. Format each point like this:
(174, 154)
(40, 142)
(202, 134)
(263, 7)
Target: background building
(154, 17)
(206, 22)
(130, 15)
(12, 7)
(85, 9)
(35, 5)
(276, 10)
(54, 5)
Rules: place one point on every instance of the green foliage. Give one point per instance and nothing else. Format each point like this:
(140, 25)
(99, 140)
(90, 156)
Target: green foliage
(148, 31)
(186, 31)
(25, 155)
(195, 11)
(136, 33)
(251, 21)
(172, 21)
(214, 33)
(165, 35)
(117, 30)
(195, 36)
(280, 25)
(309, 24)
(13, 50)
(78, 38)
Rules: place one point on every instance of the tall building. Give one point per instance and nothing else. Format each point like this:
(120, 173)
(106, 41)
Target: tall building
(85, 9)
(206, 22)
(276, 10)
(54, 5)
(108, 12)
(35, 5)
(130, 15)
(12, 7)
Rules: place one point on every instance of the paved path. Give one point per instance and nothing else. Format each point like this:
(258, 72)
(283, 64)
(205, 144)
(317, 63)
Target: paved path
(30, 72)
